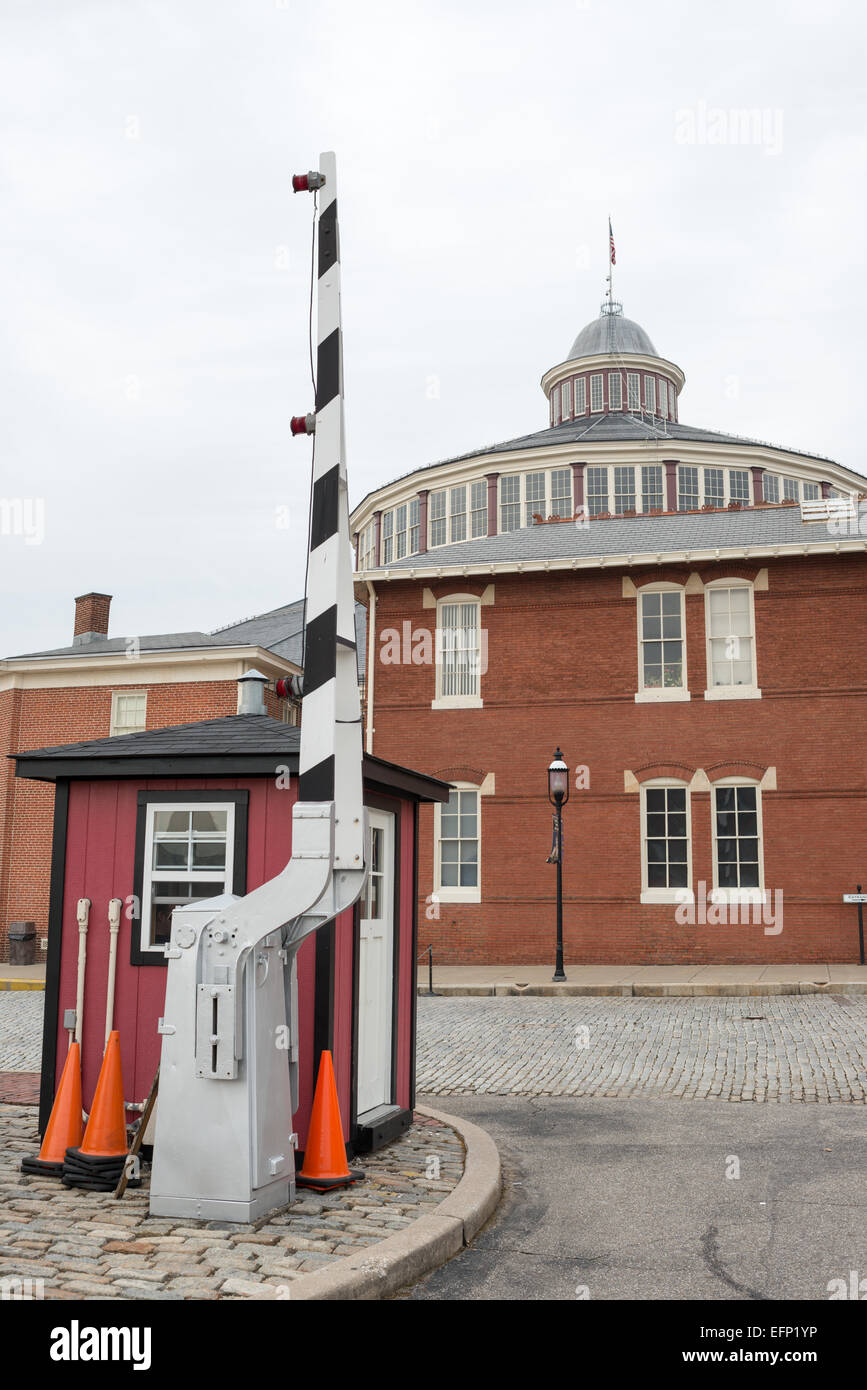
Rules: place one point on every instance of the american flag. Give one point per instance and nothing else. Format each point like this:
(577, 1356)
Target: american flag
(611, 243)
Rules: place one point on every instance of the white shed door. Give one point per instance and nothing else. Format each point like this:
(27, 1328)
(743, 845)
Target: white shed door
(376, 969)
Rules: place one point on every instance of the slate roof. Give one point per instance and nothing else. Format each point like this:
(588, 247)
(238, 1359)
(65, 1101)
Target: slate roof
(250, 742)
(280, 631)
(639, 535)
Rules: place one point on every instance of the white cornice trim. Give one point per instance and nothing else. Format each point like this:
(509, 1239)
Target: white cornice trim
(177, 666)
(712, 555)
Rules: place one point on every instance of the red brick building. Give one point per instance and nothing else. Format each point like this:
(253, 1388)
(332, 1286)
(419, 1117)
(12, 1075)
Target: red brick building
(685, 614)
(100, 686)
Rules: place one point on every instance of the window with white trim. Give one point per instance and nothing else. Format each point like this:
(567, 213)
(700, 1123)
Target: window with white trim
(714, 487)
(561, 492)
(615, 391)
(739, 485)
(400, 517)
(770, 487)
(534, 497)
(665, 840)
(737, 834)
(457, 514)
(437, 510)
(479, 507)
(555, 405)
(650, 394)
(367, 547)
(687, 489)
(580, 395)
(457, 836)
(597, 490)
(661, 666)
(458, 650)
(651, 486)
(510, 502)
(595, 394)
(663, 398)
(188, 855)
(730, 627)
(790, 490)
(128, 711)
(811, 492)
(387, 538)
(624, 490)
(413, 526)
(633, 390)
(566, 399)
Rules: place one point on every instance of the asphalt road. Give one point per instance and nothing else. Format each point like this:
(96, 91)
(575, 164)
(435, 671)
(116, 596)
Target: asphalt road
(629, 1199)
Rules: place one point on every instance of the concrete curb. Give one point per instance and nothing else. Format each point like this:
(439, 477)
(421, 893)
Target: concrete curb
(382, 1269)
(684, 989)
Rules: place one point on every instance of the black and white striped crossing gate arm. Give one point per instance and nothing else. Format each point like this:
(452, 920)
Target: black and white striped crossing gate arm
(331, 745)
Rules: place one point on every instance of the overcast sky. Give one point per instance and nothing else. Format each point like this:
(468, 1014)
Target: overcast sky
(155, 262)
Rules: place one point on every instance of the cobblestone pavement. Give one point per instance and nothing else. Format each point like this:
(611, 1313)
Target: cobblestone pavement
(21, 1029)
(770, 1048)
(89, 1245)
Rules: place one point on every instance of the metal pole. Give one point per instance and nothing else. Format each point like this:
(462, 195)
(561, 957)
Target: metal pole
(860, 924)
(559, 973)
(430, 969)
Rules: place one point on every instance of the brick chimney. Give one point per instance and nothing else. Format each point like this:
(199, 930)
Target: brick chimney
(91, 617)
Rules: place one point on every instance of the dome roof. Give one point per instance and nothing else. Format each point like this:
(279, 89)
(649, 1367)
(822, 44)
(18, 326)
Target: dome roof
(611, 332)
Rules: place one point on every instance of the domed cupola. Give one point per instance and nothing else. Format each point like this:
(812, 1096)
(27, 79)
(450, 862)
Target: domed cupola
(612, 333)
(612, 366)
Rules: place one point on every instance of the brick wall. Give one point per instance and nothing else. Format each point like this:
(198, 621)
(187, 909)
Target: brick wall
(562, 652)
(45, 717)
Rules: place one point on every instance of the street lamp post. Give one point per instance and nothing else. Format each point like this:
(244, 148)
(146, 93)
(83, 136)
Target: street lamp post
(558, 795)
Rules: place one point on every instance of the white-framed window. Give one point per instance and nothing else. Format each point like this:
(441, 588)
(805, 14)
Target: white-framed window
(566, 400)
(413, 526)
(714, 487)
(400, 516)
(811, 492)
(128, 711)
(770, 487)
(595, 394)
(561, 492)
(457, 846)
(731, 644)
(739, 485)
(651, 486)
(661, 644)
(387, 539)
(663, 398)
(672, 401)
(650, 394)
(687, 488)
(580, 395)
(615, 391)
(188, 854)
(633, 390)
(367, 547)
(790, 490)
(738, 861)
(597, 490)
(510, 502)
(437, 516)
(479, 507)
(555, 405)
(666, 861)
(534, 497)
(457, 514)
(624, 489)
(458, 653)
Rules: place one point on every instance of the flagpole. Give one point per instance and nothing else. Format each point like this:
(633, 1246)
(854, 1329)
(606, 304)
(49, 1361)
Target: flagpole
(610, 268)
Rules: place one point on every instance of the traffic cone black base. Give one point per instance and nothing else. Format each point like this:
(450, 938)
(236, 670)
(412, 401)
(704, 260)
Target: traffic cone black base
(328, 1184)
(40, 1167)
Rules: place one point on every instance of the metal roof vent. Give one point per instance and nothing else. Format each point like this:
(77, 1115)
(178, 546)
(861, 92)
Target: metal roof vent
(251, 692)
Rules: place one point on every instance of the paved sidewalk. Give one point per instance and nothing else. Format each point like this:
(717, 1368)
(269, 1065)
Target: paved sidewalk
(646, 980)
(89, 1245)
(22, 976)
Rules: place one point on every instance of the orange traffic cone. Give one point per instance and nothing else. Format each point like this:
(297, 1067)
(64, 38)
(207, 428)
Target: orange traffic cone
(325, 1163)
(64, 1126)
(98, 1162)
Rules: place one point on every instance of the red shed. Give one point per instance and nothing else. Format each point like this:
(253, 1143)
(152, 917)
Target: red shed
(168, 815)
